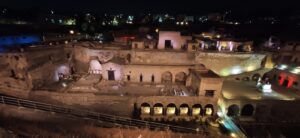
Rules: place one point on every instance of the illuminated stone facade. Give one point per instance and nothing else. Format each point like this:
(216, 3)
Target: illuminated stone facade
(189, 77)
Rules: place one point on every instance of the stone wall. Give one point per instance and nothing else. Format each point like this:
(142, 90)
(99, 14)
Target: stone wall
(226, 64)
(162, 57)
(267, 110)
(147, 71)
(119, 105)
(176, 40)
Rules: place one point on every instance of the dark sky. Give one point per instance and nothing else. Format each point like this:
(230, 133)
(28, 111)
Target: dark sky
(187, 6)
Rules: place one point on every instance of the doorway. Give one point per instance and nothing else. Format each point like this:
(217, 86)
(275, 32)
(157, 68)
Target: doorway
(168, 44)
(285, 83)
(111, 74)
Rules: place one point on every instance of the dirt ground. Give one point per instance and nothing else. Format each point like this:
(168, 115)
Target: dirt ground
(22, 122)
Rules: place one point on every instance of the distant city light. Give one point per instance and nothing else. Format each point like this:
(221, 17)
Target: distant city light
(156, 30)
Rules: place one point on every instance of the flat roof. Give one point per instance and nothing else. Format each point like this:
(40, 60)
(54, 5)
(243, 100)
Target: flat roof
(205, 73)
(239, 90)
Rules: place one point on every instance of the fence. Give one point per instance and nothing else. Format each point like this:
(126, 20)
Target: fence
(95, 115)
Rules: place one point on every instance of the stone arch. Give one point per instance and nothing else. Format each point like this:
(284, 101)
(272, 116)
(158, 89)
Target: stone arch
(209, 110)
(246, 78)
(233, 110)
(171, 109)
(184, 109)
(145, 109)
(180, 78)
(95, 67)
(62, 72)
(196, 109)
(255, 77)
(247, 110)
(166, 77)
(158, 109)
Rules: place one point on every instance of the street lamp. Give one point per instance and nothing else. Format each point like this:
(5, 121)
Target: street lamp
(71, 31)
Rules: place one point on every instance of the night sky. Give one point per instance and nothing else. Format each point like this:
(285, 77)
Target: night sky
(184, 6)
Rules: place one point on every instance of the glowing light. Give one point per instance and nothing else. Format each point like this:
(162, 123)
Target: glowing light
(181, 23)
(225, 72)
(196, 111)
(184, 110)
(64, 84)
(218, 36)
(233, 135)
(71, 31)
(250, 68)
(145, 110)
(266, 88)
(295, 70)
(291, 81)
(236, 70)
(282, 67)
(282, 76)
(230, 46)
(208, 111)
(158, 110)
(177, 23)
(156, 30)
(171, 110)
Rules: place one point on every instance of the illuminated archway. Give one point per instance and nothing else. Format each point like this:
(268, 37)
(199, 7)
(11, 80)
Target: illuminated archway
(145, 109)
(233, 110)
(209, 110)
(171, 110)
(180, 78)
(184, 109)
(62, 72)
(95, 67)
(247, 110)
(166, 77)
(158, 109)
(196, 110)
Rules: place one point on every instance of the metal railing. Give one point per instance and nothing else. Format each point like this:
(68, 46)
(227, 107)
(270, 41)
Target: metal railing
(95, 115)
